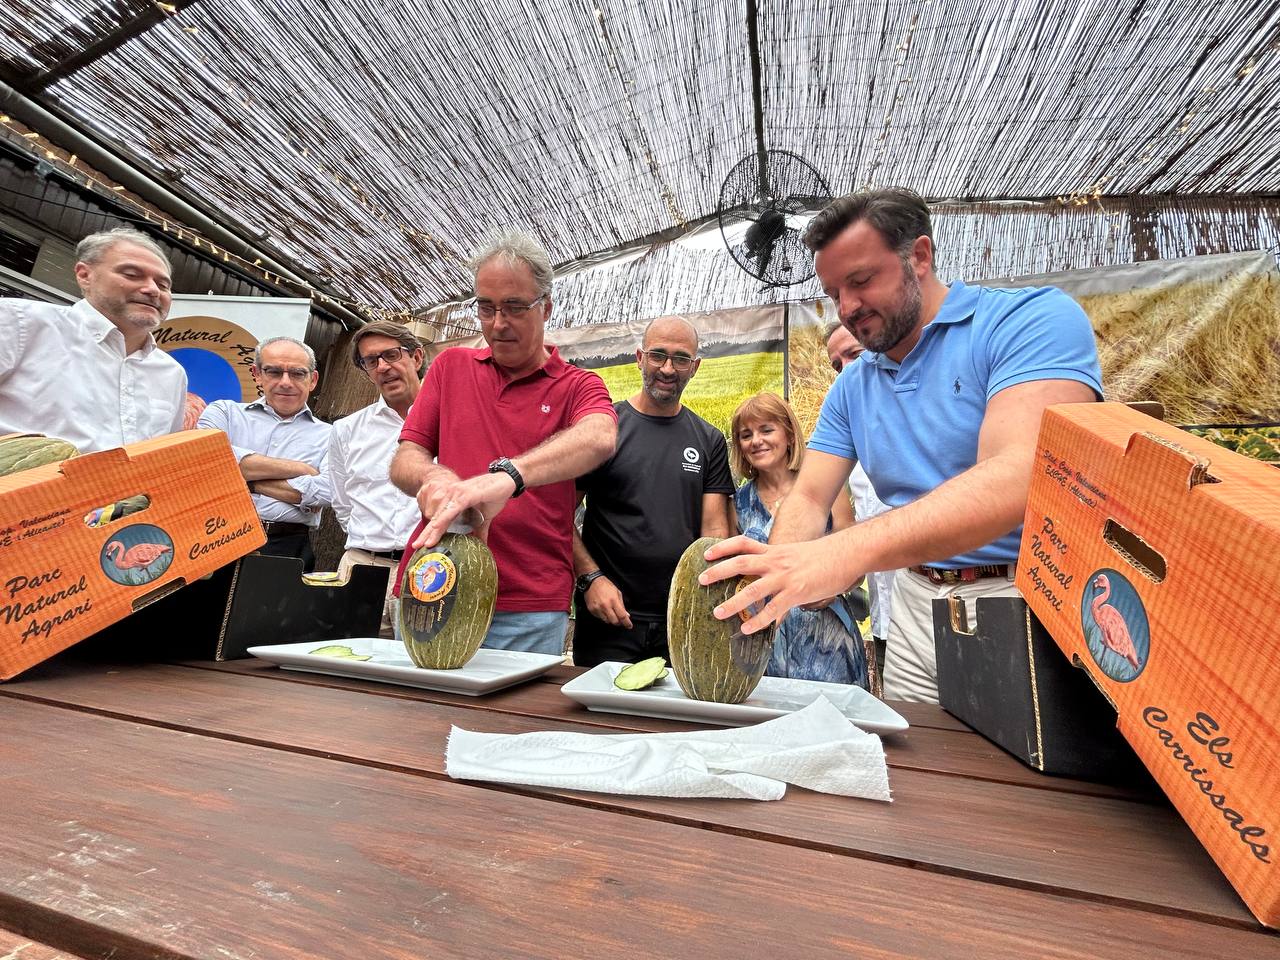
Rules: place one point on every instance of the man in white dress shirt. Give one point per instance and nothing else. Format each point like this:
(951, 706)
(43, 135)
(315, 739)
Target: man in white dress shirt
(377, 517)
(843, 349)
(91, 373)
(280, 445)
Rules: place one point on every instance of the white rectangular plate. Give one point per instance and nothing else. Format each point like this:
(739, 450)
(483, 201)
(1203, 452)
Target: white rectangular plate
(772, 698)
(487, 671)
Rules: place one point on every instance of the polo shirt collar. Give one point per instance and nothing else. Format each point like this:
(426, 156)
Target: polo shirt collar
(957, 306)
(101, 327)
(553, 368)
(261, 404)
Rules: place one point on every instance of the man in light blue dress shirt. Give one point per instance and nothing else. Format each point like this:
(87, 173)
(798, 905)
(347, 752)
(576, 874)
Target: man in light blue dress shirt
(281, 446)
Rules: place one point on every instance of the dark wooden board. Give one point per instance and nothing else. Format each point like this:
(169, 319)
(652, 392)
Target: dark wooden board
(935, 746)
(1086, 846)
(918, 714)
(155, 842)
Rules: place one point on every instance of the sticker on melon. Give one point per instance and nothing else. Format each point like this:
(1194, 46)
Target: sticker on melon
(431, 576)
(429, 597)
(750, 651)
(447, 599)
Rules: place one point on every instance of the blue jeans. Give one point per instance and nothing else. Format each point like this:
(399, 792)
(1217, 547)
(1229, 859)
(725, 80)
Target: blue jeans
(531, 632)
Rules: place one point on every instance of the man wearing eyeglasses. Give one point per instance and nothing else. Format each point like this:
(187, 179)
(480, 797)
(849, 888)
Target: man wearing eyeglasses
(377, 517)
(667, 484)
(281, 446)
(511, 426)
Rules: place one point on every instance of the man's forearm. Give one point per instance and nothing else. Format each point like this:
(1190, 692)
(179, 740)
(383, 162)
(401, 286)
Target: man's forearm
(570, 453)
(257, 466)
(968, 511)
(800, 518)
(715, 516)
(412, 466)
(583, 562)
(277, 490)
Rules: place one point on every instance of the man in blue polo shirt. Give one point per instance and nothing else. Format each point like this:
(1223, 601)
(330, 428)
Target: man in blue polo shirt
(942, 410)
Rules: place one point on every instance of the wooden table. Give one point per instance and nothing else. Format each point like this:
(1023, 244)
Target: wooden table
(235, 810)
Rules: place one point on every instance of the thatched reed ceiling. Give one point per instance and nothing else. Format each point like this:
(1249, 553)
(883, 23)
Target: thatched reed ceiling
(375, 143)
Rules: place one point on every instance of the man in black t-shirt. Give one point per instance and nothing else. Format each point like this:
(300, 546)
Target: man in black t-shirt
(667, 484)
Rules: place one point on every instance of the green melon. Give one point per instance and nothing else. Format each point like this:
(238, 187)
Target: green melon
(447, 599)
(712, 658)
(23, 453)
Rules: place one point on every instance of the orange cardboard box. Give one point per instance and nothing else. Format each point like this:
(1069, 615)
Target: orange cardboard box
(1152, 557)
(65, 573)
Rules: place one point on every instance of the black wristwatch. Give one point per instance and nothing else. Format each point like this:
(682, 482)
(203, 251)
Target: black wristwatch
(586, 580)
(504, 465)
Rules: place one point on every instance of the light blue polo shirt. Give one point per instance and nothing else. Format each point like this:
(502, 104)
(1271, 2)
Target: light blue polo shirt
(914, 426)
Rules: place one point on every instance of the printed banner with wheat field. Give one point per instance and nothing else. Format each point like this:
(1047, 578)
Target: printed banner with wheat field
(742, 353)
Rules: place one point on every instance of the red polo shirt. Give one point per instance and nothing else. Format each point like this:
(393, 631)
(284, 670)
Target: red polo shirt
(468, 414)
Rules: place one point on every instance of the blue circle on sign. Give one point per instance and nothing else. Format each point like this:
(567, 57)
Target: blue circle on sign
(208, 375)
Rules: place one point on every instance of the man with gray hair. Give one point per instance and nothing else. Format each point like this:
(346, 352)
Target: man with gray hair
(280, 445)
(501, 433)
(667, 485)
(91, 373)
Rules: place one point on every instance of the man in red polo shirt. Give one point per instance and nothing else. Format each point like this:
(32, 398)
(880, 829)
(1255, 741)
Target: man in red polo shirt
(509, 427)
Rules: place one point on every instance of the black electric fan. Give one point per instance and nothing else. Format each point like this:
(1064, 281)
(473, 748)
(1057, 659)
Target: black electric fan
(773, 191)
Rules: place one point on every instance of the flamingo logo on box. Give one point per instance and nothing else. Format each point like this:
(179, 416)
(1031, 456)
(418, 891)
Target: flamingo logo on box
(137, 554)
(1115, 625)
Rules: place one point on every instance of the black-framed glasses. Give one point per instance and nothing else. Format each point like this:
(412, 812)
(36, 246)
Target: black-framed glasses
(658, 358)
(512, 308)
(297, 374)
(369, 363)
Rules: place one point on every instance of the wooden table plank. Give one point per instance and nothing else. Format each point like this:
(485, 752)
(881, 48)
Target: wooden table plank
(1084, 846)
(157, 841)
(937, 745)
(916, 714)
(13, 946)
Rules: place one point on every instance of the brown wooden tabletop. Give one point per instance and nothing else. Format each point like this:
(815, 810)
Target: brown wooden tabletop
(237, 810)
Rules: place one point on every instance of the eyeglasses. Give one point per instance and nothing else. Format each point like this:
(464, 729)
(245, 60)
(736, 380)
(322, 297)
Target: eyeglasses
(298, 374)
(658, 358)
(512, 308)
(370, 363)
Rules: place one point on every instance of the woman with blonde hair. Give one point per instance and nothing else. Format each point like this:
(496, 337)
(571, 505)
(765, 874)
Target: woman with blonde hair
(766, 449)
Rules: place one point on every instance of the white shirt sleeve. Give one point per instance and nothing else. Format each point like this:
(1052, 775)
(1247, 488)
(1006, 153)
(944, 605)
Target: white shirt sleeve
(336, 465)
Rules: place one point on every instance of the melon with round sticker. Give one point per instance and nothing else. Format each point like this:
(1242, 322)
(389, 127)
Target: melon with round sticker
(712, 659)
(447, 599)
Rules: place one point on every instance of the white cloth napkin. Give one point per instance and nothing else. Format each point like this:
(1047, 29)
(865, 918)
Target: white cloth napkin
(815, 747)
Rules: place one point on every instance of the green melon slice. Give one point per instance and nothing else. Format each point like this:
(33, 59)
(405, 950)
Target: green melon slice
(637, 676)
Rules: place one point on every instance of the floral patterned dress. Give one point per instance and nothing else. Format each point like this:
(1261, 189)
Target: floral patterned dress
(810, 644)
